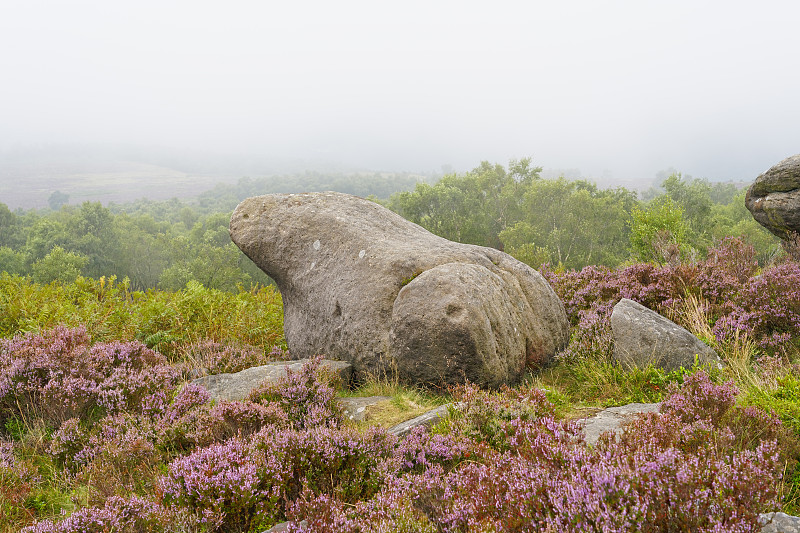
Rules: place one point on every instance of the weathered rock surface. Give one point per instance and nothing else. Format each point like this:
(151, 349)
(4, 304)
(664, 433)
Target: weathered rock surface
(283, 527)
(614, 419)
(238, 385)
(427, 420)
(361, 284)
(774, 198)
(642, 336)
(779, 523)
(356, 408)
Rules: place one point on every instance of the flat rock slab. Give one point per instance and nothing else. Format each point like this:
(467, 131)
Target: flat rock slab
(779, 523)
(428, 419)
(362, 284)
(356, 408)
(283, 526)
(239, 385)
(642, 337)
(614, 418)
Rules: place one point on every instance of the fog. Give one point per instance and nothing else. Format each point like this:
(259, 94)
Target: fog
(615, 89)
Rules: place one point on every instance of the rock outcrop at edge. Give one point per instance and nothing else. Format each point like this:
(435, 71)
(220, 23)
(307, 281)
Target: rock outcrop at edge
(774, 198)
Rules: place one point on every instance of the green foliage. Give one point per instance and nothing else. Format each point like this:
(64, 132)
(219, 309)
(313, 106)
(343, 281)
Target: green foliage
(570, 223)
(12, 261)
(733, 219)
(592, 381)
(473, 208)
(694, 198)
(57, 199)
(59, 265)
(783, 400)
(110, 310)
(659, 232)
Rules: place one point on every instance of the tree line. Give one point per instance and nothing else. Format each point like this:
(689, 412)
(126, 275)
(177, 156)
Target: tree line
(568, 224)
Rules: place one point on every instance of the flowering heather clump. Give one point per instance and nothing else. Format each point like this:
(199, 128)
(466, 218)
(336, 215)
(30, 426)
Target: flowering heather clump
(662, 475)
(58, 375)
(207, 425)
(190, 421)
(765, 307)
(420, 450)
(229, 487)
(216, 358)
(343, 463)
(6, 454)
(115, 456)
(188, 398)
(700, 399)
(304, 395)
(120, 515)
(480, 414)
(247, 484)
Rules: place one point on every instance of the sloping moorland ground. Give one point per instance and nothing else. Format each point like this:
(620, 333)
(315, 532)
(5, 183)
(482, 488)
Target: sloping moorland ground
(100, 431)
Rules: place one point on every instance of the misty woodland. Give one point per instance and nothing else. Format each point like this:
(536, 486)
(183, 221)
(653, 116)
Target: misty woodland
(489, 352)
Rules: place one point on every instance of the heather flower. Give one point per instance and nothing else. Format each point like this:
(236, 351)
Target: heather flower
(662, 475)
(211, 357)
(700, 399)
(230, 486)
(7, 454)
(59, 375)
(308, 400)
(120, 515)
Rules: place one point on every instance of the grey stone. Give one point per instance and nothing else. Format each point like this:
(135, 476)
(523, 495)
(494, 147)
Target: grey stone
(237, 386)
(642, 336)
(361, 284)
(355, 408)
(779, 523)
(283, 526)
(774, 198)
(614, 418)
(427, 420)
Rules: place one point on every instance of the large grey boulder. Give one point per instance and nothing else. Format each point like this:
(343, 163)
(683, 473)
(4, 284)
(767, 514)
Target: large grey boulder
(239, 385)
(774, 198)
(362, 284)
(642, 336)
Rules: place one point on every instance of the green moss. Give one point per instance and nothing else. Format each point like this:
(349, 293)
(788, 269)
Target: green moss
(409, 279)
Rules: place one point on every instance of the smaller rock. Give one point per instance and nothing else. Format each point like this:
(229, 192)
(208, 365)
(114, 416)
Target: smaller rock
(642, 336)
(239, 385)
(283, 526)
(779, 523)
(356, 408)
(428, 419)
(614, 418)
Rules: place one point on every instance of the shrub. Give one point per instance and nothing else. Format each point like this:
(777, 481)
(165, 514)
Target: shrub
(167, 321)
(17, 481)
(306, 397)
(59, 375)
(664, 474)
(120, 515)
(229, 487)
(210, 357)
(764, 307)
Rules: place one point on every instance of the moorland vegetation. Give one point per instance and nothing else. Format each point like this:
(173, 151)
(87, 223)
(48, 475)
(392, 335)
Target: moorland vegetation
(100, 430)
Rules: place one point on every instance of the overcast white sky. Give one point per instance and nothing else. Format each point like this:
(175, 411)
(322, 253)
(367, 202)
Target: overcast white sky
(630, 88)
